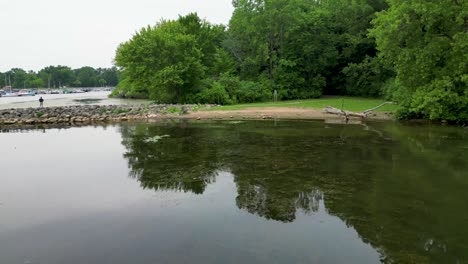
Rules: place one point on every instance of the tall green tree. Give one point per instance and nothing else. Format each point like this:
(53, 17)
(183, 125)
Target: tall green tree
(354, 70)
(166, 62)
(427, 44)
(261, 38)
(57, 76)
(33, 81)
(86, 76)
(17, 77)
(3, 80)
(110, 75)
(302, 47)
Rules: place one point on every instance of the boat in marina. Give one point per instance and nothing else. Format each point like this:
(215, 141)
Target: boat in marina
(26, 93)
(19, 93)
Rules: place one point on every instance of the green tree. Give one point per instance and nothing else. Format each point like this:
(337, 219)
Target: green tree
(163, 61)
(102, 82)
(33, 81)
(350, 22)
(86, 76)
(57, 76)
(110, 75)
(302, 47)
(3, 80)
(17, 77)
(427, 43)
(166, 62)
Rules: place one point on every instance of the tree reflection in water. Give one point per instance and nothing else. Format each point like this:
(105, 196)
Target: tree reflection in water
(178, 163)
(381, 183)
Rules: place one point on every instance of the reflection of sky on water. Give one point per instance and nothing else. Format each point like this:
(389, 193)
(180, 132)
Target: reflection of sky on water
(177, 227)
(251, 192)
(74, 203)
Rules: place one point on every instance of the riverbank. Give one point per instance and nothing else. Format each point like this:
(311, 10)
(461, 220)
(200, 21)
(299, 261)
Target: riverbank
(277, 113)
(84, 114)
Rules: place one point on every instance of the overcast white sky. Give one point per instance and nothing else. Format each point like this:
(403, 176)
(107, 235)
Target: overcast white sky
(75, 33)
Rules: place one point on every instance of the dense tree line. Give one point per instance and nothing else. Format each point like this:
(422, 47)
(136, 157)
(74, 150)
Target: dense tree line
(60, 76)
(413, 53)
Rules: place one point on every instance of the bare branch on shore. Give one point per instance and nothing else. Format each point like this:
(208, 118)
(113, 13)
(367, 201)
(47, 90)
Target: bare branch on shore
(363, 115)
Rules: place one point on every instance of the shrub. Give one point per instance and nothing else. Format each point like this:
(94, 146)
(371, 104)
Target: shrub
(126, 90)
(440, 101)
(120, 111)
(249, 92)
(173, 110)
(216, 94)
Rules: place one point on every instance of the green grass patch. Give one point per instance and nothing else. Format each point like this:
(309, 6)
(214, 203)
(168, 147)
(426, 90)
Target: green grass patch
(120, 111)
(39, 114)
(355, 104)
(173, 110)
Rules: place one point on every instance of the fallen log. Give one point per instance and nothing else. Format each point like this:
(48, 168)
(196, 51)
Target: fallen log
(336, 111)
(364, 114)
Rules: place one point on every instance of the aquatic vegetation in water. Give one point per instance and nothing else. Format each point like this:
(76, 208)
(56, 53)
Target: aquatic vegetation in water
(87, 100)
(154, 139)
(234, 122)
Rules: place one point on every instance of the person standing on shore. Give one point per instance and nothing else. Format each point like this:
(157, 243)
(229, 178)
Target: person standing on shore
(41, 102)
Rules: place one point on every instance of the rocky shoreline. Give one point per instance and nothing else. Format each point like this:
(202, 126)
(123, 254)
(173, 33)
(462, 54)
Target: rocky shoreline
(85, 114)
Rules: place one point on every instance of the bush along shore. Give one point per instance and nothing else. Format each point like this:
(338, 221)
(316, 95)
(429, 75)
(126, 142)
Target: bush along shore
(90, 113)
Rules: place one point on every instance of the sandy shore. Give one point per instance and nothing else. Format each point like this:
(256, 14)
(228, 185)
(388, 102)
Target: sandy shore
(277, 113)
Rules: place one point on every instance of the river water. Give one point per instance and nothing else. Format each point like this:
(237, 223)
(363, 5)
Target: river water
(234, 192)
(97, 98)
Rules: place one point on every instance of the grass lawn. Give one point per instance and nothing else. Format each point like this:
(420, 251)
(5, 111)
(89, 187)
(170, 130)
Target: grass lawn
(355, 104)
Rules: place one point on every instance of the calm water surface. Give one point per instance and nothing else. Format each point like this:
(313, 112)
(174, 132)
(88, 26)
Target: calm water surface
(234, 192)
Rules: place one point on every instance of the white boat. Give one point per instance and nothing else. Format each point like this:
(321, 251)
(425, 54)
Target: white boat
(25, 93)
(9, 95)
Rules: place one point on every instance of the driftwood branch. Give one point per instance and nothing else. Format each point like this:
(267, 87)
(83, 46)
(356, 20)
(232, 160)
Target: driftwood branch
(377, 107)
(336, 111)
(364, 114)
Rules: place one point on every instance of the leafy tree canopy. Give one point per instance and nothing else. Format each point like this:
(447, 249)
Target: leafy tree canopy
(427, 45)
(166, 62)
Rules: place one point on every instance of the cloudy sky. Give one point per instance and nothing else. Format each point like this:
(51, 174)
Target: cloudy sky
(75, 33)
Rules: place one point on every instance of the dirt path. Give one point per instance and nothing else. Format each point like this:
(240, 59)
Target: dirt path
(275, 113)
